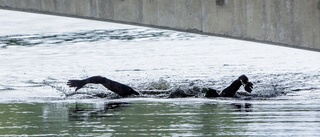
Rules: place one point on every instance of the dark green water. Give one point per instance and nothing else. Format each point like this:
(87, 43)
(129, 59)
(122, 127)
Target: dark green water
(185, 117)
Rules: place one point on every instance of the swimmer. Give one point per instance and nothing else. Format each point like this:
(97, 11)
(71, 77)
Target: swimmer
(231, 90)
(125, 91)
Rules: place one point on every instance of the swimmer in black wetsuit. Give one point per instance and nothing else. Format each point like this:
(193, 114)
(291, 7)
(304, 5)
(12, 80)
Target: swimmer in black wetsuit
(231, 90)
(124, 90)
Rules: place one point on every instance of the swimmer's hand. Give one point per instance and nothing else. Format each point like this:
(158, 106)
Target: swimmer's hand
(76, 83)
(248, 87)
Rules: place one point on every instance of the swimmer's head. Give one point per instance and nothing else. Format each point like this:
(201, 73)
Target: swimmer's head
(248, 86)
(244, 79)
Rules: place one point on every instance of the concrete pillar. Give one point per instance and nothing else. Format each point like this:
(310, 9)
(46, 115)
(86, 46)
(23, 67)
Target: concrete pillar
(254, 12)
(83, 8)
(188, 14)
(150, 12)
(106, 10)
(303, 21)
(208, 17)
(217, 19)
(166, 13)
(270, 22)
(316, 25)
(49, 5)
(239, 18)
(3, 3)
(34, 5)
(287, 23)
(18, 4)
(128, 10)
(66, 7)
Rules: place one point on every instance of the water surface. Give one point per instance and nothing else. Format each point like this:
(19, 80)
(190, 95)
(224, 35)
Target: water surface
(38, 59)
(179, 117)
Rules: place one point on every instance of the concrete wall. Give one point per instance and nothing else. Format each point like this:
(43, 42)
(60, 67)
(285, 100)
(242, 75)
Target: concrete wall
(293, 23)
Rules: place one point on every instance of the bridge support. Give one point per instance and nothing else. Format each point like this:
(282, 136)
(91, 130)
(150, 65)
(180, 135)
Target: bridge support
(294, 23)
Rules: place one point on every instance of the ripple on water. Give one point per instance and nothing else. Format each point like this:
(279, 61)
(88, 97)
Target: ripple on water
(93, 36)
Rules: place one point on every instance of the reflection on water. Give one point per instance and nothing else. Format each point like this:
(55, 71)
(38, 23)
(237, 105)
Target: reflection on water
(247, 107)
(81, 112)
(181, 118)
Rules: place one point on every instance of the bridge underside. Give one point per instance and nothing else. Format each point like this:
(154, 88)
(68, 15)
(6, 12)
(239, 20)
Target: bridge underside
(293, 23)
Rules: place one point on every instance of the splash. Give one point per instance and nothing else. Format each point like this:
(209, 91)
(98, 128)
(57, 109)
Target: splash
(268, 87)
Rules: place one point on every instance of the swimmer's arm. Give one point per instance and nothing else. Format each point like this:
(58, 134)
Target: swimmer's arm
(80, 83)
(249, 87)
(116, 87)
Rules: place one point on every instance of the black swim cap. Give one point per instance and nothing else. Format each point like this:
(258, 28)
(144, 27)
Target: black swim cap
(244, 79)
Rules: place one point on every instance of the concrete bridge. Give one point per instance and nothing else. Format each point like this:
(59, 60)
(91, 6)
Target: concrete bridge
(294, 23)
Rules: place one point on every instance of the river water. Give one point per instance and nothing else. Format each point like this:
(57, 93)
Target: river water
(39, 53)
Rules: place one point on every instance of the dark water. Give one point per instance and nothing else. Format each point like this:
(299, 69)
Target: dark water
(160, 118)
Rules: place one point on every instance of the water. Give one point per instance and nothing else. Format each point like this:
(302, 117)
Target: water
(160, 118)
(38, 59)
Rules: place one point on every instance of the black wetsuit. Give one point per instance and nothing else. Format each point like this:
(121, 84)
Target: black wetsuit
(114, 86)
(231, 90)
(124, 90)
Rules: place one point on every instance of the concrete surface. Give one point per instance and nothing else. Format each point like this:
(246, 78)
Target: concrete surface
(294, 23)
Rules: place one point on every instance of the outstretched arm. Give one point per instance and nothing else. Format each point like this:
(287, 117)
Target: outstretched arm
(248, 87)
(116, 87)
(234, 87)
